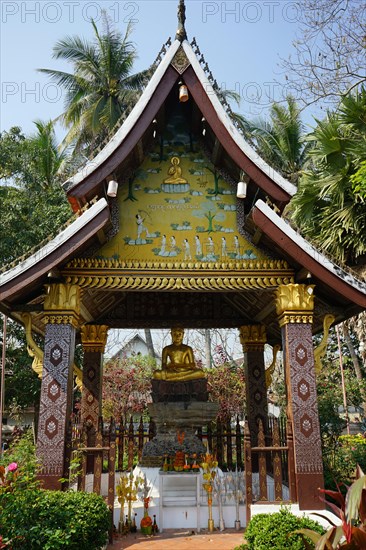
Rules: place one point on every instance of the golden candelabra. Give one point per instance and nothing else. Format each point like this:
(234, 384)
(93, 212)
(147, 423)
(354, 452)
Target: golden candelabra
(209, 467)
(127, 490)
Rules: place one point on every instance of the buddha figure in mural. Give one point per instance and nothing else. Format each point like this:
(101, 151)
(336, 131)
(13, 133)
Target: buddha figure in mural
(178, 361)
(175, 172)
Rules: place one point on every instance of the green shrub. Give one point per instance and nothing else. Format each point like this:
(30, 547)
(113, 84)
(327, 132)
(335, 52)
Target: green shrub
(22, 451)
(353, 452)
(33, 518)
(275, 531)
(340, 464)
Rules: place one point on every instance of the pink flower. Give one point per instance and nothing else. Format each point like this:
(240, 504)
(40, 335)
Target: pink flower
(13, 466)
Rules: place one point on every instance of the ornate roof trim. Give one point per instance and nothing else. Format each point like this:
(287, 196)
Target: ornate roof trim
(54, 251)
(278, 230)
(181, 31)
(129, 123)
(168, 60)
(230, 127)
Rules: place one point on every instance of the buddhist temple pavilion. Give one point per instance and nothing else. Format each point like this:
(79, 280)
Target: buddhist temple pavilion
(175, 244)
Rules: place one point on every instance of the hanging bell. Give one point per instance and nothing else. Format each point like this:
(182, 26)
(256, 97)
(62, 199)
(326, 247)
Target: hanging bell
(183, 93)
(241, 192)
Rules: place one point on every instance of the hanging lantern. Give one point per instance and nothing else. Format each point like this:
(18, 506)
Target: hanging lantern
(241, 192)
(112, 188)
(183, 93)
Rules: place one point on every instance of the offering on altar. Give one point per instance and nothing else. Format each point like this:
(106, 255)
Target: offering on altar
(179, 461)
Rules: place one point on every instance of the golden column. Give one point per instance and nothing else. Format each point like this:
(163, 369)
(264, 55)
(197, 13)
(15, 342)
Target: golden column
(61, 315)
(294, 306)
(253, 338)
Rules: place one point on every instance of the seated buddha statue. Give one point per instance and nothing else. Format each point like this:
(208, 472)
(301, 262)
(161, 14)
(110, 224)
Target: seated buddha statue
(175, 172)
(178, 361)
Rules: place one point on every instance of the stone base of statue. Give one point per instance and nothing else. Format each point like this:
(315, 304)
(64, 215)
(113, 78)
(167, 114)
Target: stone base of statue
(164, 391)
(171, 418)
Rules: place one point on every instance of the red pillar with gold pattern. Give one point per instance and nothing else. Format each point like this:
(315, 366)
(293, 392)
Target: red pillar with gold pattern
(93, 338)
(294, 305)
(61, 305)
(253, 338)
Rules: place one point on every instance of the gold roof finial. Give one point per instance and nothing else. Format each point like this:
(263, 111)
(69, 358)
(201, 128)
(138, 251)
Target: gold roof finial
(181, 31)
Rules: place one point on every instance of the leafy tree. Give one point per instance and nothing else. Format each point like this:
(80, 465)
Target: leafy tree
(328, 208)
(359, 181)
(101, 87)
(12, 153)
(217, 176)
(34, 162)
(33, 205)
(48, 159)
(329, 51)
(210, 212)
(127, 386)
(226, 384)
(22, 385)
(279, 141)
(351, 338)
(28, 217)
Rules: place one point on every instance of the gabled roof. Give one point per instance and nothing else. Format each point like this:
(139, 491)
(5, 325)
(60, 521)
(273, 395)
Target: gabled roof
(326, 273)
(21, 287)
(29, 274)
(88, 181)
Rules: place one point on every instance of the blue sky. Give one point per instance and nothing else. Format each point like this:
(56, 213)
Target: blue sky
(241, 41)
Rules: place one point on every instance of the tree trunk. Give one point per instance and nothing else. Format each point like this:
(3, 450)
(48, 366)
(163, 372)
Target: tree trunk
(356, 363)
(149, 342)
(208, 348)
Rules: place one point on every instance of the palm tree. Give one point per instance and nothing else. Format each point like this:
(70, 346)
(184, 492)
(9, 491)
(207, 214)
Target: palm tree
(47, 157)
(101, 87)
(328, 208)
(330, 205)
(278, 141)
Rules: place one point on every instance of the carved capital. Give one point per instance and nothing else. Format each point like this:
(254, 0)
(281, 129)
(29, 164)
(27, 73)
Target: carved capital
(294, 303)
(94, 337)
(62, 304)
(253, 337)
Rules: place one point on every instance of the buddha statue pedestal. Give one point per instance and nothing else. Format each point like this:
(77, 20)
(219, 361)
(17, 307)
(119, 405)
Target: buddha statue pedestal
(177, 407)
(180, 404)
(188, 390)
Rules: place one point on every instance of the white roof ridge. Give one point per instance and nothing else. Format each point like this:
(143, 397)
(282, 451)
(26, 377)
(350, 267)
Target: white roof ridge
(310, 249)
(55, 243)
(287, 186)
(129, 122)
